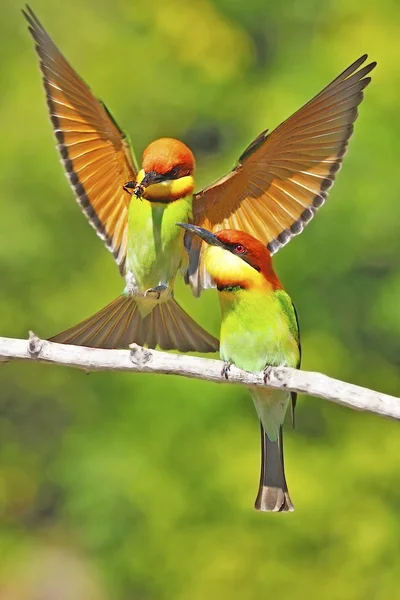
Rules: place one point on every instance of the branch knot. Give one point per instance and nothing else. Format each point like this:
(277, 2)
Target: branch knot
(139, 356)
(35, 345)
(139, 359)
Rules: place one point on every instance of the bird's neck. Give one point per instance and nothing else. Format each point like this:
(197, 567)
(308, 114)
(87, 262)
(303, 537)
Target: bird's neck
(170, 190)
(158, 219)
(234, 296)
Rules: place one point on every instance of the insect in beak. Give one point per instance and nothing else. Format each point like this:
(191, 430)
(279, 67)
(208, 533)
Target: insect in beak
(138, 189)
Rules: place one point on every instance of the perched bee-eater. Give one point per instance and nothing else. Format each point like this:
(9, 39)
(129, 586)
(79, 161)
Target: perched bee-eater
(259, 328)
(280, 181)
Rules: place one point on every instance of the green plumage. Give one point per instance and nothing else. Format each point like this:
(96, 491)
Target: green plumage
(259, 328)
(155, 244)
(147, 313)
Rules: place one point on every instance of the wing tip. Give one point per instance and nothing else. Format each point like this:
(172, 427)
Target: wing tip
(357, 64)
(35, 27)
(29, 14)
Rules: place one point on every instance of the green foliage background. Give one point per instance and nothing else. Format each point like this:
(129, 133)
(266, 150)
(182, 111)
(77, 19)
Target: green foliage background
(135, 487)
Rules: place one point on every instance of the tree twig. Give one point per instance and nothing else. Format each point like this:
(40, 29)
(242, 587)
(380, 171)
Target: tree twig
(142, 360)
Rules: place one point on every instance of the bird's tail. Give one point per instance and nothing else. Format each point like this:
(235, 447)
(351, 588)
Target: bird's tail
(273, 493)
(121, 323)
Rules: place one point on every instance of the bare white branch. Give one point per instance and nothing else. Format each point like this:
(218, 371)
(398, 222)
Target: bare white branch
(142, 360)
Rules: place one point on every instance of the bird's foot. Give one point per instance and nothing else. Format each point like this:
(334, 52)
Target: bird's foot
(225, 369)
(156, 291)
(267, 373)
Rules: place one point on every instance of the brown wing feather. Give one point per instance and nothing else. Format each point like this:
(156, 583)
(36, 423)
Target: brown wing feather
(282, 179)
(94, 151)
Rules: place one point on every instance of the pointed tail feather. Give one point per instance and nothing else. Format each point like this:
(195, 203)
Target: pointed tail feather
(177, 330)
(273, 493)
(120, 324)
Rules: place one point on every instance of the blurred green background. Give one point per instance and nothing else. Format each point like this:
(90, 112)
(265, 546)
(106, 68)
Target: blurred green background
(118, 486)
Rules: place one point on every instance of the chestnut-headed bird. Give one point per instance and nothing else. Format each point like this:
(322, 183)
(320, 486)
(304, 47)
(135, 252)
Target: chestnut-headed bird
(140, 228)
(279, 182)
(259, 328)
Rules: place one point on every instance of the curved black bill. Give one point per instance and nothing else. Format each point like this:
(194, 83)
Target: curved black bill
(204, 234)
(138, 188)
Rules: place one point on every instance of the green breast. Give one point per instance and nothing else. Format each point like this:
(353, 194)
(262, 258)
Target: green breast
(155, 244)
(258, 329)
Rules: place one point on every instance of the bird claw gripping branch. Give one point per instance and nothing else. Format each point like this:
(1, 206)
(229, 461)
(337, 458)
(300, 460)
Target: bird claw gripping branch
(267, 373)
(225, 369)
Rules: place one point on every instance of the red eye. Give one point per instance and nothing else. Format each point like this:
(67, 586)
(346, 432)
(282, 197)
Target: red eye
(239, 249)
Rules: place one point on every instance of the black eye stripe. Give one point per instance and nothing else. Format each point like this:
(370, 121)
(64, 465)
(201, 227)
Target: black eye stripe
(172, 174)
(176, 173)
(243, 255)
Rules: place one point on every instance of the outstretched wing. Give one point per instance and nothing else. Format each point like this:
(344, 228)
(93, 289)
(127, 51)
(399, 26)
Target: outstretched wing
(282, 178)
(94, 151)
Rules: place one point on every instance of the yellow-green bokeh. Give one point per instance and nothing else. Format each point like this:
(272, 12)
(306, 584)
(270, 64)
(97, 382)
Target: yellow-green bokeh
(138, 487)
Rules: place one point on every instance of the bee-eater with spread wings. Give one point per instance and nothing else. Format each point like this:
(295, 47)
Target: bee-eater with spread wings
(259, 328)
(278, 184)
(140, 228)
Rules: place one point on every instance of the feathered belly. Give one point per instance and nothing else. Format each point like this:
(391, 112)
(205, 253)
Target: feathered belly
(155, 246)
(148, 268)
(252, 345)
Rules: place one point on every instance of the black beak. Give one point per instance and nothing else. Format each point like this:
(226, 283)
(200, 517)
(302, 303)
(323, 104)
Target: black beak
(150, 178)
(204, 234)
(138, 188)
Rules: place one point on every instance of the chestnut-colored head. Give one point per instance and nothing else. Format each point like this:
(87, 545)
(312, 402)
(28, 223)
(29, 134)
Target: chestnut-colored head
(166, 155)
(237, 259)
(167, 171)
